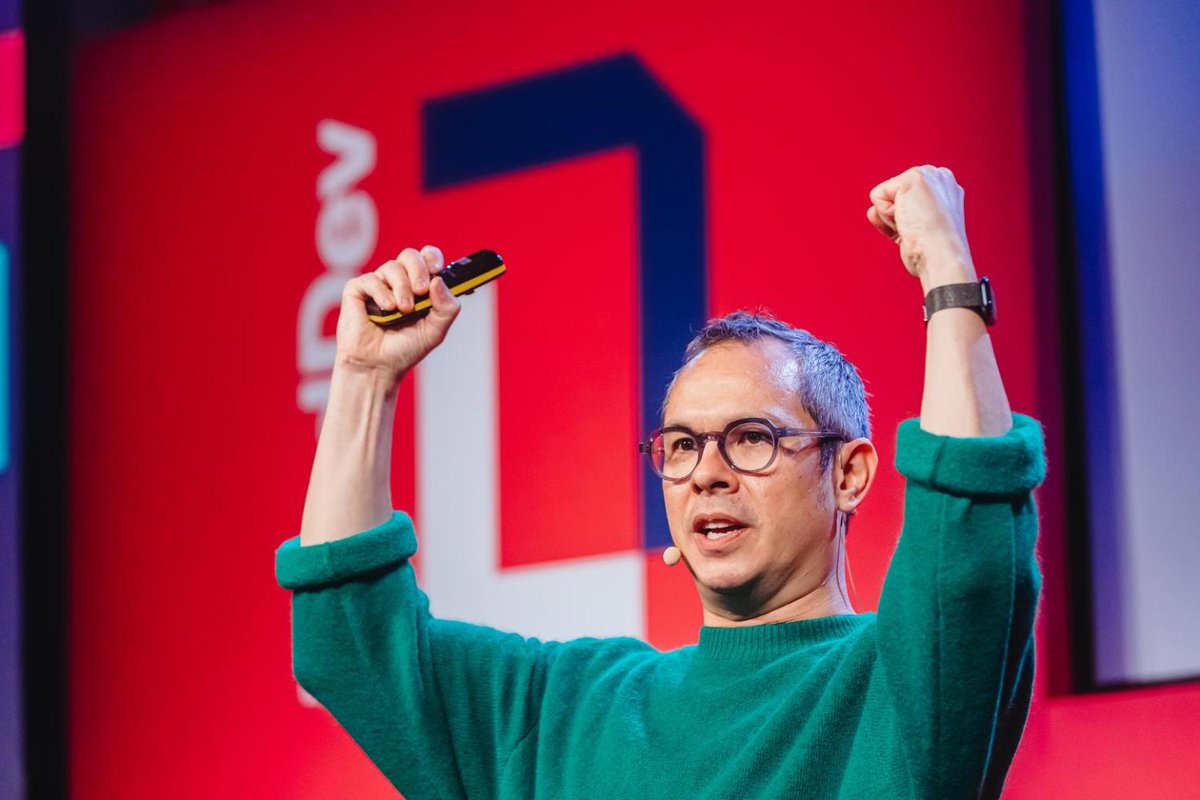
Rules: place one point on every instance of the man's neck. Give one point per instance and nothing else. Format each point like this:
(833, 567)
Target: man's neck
(826, 600)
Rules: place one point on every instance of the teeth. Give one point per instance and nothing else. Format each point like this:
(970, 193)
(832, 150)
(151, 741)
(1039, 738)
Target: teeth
(713, 534)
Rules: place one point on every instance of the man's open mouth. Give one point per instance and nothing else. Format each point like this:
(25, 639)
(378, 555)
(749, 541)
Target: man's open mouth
(717, 527)
(715, 532)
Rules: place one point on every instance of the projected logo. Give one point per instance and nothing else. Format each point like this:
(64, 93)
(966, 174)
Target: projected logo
(562, 590)
(347, 231)
(574, 113)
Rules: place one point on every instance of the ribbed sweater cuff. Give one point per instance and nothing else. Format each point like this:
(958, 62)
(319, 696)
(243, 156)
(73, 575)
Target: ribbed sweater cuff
(319, 565)
(1006, 465)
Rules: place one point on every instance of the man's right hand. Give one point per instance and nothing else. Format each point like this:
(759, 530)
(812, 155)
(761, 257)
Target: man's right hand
(364, 346)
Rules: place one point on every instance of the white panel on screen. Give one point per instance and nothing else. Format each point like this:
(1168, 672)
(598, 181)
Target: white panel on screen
(457, 490)
(1148, 66)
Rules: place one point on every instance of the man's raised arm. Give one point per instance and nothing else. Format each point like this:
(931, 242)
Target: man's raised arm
(439, 706)
(957, 610)
(922, 211)
(350, 487)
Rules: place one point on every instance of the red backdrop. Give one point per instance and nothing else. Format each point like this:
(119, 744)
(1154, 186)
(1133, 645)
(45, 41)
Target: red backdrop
(195, 164)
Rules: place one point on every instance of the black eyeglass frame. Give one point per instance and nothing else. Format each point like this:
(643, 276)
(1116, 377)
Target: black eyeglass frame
(702, 439)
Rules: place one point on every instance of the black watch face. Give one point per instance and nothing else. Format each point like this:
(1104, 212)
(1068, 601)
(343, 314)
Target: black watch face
(989, 302)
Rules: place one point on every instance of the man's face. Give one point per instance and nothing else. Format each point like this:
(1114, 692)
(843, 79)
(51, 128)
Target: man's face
(784, 545)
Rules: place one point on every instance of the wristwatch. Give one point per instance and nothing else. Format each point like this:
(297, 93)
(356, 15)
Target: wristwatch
(976, 296)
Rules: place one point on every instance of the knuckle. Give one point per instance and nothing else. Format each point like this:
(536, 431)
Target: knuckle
(398, 276)
(432, 257)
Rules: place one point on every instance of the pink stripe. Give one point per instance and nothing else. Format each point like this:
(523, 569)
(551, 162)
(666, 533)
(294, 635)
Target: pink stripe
(12, 87)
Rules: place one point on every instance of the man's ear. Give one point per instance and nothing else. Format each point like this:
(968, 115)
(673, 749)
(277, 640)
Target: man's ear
(853, 472)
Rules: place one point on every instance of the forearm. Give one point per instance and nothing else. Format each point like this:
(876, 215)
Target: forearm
(361, 645)
(957, 609)
(964, 395)
(350, 487)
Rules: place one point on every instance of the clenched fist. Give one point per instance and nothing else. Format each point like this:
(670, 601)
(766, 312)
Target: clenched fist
(921, 210)
(363, 345)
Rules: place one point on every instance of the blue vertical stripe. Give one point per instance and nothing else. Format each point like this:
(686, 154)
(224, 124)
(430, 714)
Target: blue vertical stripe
(1101, 412)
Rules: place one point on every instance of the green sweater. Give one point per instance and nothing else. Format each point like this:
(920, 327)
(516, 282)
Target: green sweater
(925, 699)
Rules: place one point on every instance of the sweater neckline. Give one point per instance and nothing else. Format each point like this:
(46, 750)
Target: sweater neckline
(754, 642)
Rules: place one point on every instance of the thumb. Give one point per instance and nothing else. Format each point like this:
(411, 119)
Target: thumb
(445, 306)
(881, 224)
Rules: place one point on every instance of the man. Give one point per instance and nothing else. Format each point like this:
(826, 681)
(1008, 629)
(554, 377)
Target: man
(763, 453)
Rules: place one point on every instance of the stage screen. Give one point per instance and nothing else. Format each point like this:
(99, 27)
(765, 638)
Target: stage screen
(1135, 139)
(637, 176)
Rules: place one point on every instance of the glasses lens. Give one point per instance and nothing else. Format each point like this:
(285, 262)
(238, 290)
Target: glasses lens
(750, 446)
(674, 454)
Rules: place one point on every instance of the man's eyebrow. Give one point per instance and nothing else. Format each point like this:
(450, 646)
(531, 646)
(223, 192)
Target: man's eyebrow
(775, 419)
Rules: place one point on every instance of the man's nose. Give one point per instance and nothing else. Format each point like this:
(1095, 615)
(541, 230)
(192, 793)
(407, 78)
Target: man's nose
(713, 471)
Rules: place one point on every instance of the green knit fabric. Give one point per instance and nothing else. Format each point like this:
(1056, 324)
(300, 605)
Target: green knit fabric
(925, 699)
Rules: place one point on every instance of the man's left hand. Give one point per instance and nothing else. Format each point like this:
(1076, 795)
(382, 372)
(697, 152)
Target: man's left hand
(921, 210)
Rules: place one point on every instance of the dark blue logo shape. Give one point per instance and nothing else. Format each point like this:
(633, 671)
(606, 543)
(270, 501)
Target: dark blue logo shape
(575, 112)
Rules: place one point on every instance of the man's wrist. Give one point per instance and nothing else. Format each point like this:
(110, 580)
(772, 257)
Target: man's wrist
(943, 270)
(361, 380)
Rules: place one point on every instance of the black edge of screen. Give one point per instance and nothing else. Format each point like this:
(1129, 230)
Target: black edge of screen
(43, 389)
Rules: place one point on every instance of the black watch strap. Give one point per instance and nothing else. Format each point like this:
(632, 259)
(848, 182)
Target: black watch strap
(976, 296)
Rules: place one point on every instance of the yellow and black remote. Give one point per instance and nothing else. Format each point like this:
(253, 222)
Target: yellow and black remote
(462, 277)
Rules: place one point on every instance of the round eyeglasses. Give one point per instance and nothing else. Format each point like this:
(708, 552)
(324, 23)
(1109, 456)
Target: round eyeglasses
(747, 445)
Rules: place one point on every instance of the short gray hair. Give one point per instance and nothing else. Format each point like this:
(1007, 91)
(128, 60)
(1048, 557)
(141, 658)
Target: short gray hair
(829, 386)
